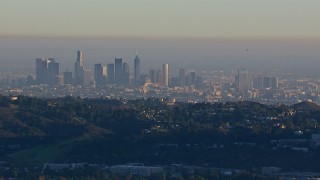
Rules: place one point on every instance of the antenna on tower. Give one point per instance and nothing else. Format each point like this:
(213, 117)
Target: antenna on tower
(136, 52)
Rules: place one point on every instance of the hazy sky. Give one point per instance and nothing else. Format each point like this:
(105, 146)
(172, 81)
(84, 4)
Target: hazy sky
(161, 18)
(278, 33)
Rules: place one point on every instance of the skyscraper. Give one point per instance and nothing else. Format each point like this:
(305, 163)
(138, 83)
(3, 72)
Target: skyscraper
(243, 80)
(182, 77)
(258, 82)
(47, 71)
(79, 69)
(110, 73)
(125, 74)
(192, 78)
(86, 77)
(104, 71)
(136, 70)
(152, 75)
(41, 70)
(98, 74)
(165, 74)
(80, 58)
(274, 82)
(67, 77)
(53, 72)
(118, 71)
(266, 83)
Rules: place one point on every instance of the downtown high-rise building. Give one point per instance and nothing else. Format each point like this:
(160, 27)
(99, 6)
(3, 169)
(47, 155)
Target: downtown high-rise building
(126, 75)
(53, 72)
(98, 74)
(79, 69)
(257, 82)
(270, 82)
(118, 71)
(41, 70)
(154, 75)
(104, 72)
(165, 75)
(47, 71)
(67, 77)
(274, 82)
(87, 75)
(182, 77)
(243, 80)
(137, 74)
(110, 73)
(192, 79)
(265, 82)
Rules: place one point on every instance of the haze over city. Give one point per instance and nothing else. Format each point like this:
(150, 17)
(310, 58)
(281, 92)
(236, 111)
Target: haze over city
(247, 19)
(200, 35)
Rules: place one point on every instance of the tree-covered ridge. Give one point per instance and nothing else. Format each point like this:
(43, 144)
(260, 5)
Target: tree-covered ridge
(153, 131)
(40, 117)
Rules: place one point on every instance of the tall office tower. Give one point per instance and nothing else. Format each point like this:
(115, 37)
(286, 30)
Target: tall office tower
(53, 72)
(152, 75)
(192, 78)
(165, 75)
(258, 82)
(110, 73)
(266, 82)
(104, 71)
(136, 77)
(158, 76)
(182, 77)
(41, 70)
(86, 77)
(79, 69)
(199, 82)
(67, 77)
(80, 58)
(47, 71)
(118, 71)
(61, 80)
(155, 76)
(126, 75)
(274, 82)
(98, 74)
(243, 80)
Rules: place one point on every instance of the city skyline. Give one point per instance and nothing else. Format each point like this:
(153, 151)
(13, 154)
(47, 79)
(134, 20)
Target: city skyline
(204, 35)
(47, 71)
(184, 86)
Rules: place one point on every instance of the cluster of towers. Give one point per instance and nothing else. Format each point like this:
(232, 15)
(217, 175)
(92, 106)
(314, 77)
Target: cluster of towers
(244, 81)
(117, 73)
(47, 72)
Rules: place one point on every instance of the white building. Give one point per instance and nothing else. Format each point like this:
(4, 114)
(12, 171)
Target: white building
(135, 170)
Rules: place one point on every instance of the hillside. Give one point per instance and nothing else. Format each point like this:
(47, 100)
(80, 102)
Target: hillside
(306, 106)
(71, 130)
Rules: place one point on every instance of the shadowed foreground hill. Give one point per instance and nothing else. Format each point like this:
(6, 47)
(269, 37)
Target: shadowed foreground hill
(28, 117)
(233, 134)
